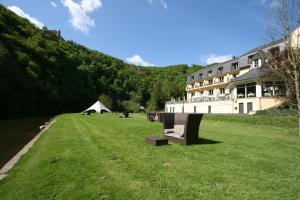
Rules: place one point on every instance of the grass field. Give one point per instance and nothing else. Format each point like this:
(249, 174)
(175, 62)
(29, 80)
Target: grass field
(105, 157)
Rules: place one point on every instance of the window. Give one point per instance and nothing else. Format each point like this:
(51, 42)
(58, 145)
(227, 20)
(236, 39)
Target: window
(251, 89)
(246, 90)
(201, 93)
(192, 77)
(222, 91)
(201, 84)
(211, 92)
(209, 73)
(234, 75)
(193, 94)
(241, 91)
(274, 51)
(221, 79)
(255, 64)
(273, 89)
(210, 82)
(250, 59)
(220, 70)
(201, 75)
(193, 86)
(234, 66)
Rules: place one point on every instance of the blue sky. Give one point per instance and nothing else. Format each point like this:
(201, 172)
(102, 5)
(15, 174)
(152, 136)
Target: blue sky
(158, 32)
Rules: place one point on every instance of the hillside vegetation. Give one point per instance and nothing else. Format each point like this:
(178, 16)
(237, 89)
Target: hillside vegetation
(41, 73)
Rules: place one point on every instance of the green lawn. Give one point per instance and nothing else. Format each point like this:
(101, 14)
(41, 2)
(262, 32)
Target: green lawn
(105, 157)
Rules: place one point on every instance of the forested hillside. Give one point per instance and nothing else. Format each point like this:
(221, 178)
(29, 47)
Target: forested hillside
(41, 73)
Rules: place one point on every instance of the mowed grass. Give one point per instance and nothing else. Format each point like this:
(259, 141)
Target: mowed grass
(105, 157)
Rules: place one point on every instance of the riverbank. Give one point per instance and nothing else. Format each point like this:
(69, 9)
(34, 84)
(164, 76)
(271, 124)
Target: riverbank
(10, 164)
(104, 156)
(16, 133)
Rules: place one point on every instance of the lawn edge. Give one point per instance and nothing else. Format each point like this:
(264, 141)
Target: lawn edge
(11, 163)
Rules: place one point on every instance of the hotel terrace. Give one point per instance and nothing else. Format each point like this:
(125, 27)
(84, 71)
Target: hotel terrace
(238, 86)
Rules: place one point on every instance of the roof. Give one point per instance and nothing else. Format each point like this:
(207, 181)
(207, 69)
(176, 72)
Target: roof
(252, 74)
(261, 73)
(242, 60)
(265, 46)
(214, 68)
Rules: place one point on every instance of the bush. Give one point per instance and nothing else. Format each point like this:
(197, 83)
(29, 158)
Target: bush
(131, 106)
(283, 110)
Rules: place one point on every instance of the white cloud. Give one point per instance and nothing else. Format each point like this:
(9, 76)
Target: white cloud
(164, 4)
(216, 58)
(78, 11)
(90, 5)
(54, 5)
(138, 60)
(21, 13)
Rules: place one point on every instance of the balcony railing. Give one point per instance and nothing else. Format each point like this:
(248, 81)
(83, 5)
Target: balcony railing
(220, 97)
(204, 84)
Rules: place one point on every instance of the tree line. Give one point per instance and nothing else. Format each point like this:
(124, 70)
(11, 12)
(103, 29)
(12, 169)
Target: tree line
(41, 73)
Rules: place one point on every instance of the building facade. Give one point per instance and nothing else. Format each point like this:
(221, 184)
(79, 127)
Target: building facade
(238, 86)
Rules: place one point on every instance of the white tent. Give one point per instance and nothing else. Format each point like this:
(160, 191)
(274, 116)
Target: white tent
(98, 107)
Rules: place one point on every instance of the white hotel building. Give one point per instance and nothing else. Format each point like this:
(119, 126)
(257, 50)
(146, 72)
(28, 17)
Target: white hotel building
(238, 86)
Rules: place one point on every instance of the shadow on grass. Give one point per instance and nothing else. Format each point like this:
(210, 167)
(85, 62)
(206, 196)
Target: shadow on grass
(207, 141)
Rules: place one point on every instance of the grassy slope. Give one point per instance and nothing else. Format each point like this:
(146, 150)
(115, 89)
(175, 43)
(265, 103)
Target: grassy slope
(105, 157)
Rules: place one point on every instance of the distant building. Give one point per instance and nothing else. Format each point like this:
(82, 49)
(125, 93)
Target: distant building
(238, 86)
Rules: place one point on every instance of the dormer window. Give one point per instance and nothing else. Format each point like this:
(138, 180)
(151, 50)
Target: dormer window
(234, 66)
(255, 63)
(209, 73)
(250, 59)
(220, 70)
(201, 75)
(192, 77)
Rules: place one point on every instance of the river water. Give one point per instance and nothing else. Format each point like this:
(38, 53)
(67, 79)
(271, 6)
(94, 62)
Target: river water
(16, 133)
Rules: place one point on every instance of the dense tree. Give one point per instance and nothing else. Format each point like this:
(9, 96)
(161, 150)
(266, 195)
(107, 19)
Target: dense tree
(106, 100)
(41, 73)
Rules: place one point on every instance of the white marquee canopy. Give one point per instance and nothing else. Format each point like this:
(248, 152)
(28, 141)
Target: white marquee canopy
(98, 107)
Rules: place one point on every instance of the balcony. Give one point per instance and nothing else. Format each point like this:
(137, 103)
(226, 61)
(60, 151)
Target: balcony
(218, 81)
(203, 98)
